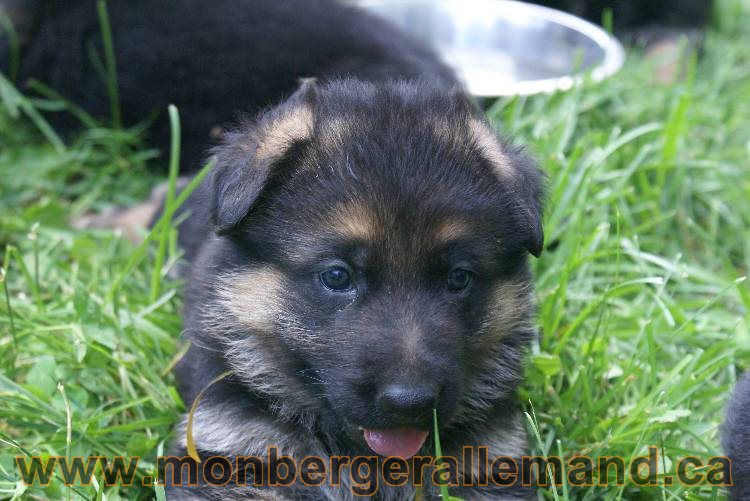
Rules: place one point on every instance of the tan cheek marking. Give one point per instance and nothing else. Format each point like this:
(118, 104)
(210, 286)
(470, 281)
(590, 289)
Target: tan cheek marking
(276, 137)
(510, 305)
(253, 297)
(488, 143)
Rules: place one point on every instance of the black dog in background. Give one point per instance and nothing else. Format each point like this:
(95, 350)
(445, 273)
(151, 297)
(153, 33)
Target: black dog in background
(736, 439)
(212, 59)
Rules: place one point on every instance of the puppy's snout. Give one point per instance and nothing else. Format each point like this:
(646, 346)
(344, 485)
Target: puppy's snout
(409, 401)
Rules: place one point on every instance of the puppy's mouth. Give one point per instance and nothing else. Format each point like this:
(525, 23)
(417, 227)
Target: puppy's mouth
(401, 442)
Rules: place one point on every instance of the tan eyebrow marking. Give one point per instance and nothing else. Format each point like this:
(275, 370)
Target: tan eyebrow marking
(353, 220)
(488, 143)
(451, 229)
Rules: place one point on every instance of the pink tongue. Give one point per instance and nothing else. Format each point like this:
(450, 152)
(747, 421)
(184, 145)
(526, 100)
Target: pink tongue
(403, 443)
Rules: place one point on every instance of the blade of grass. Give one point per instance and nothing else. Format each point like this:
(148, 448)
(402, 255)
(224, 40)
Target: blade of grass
(540, 443)
(68, 427)
(111, 63)
(11, 94)
(174, 165)
(189, 441)
(12, 353)
(14, 46)
(444, 493)
(84, 117)
(140, 251)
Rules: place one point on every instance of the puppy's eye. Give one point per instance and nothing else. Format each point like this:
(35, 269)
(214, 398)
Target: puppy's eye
(337, 279)
(459, 279)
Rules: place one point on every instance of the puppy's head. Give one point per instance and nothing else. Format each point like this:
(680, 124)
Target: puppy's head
(371, 258)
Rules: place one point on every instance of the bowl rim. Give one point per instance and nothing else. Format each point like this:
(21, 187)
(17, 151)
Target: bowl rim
(614, 53)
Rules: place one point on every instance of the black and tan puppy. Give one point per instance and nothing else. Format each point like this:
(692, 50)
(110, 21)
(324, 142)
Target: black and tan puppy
(358, 260)
(736, 439)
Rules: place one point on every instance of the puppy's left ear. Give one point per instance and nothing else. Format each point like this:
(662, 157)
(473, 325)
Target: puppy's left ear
(523, 183)
(252, 156)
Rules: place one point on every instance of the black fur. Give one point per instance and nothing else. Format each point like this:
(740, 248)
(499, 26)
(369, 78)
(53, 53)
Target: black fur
(736, 439)
(212, 59)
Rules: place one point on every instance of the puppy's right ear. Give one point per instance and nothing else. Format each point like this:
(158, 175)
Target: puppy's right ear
(523, 182)
(250, 156)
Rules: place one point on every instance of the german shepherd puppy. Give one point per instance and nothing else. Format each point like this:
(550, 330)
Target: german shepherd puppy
(736, 439)
(358, 259)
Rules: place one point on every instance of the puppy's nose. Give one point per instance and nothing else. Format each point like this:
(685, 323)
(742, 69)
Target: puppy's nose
(413, 401)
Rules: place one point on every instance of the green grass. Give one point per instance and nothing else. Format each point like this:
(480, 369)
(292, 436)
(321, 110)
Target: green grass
(644, 316)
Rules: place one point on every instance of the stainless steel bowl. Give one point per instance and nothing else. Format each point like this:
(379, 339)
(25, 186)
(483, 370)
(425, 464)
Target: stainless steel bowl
(504, 47)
